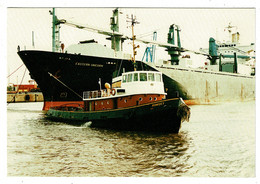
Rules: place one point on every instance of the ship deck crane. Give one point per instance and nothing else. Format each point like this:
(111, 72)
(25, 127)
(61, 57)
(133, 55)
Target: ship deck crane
(117, 38)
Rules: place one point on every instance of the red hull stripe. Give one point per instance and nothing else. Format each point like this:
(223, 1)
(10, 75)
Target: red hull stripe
(47, 105)
(121, 102)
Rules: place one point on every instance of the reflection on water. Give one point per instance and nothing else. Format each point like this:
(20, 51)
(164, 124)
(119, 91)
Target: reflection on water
(218, 141)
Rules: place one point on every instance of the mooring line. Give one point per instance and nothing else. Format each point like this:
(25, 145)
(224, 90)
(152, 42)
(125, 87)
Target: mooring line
(17, 88)
(65, 85)
(14, 71)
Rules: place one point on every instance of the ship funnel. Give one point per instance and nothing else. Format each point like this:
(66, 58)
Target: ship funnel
(213, 47)
(213, 50)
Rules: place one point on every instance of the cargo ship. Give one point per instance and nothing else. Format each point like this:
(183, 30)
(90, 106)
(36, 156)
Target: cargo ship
(64, 74)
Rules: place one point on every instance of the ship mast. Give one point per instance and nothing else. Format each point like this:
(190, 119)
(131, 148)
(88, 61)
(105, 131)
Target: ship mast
(133, 22)
(55, 31)
(116, 40)
(232, 37)
(174, 52)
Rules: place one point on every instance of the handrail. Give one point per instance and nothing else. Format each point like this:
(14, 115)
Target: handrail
(96, 94)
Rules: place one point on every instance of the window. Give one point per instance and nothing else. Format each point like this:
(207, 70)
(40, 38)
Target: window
(136, 77)
(158, 77)
(124, 78)
(150, 76)
(129, 77)
(143, 76)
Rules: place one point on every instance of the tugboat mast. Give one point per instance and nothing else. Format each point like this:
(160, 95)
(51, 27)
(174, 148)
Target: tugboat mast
(133, 22)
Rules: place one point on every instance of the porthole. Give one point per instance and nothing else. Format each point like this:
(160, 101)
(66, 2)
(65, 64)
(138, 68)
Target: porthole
(125, 100)
(107, 102)
(102, 103)
(150, 98)
(155, 98)
(140, 99)
(95, 103)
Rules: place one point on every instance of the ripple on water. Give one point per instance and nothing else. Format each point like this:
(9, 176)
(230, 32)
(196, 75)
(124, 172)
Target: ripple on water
(219, 141)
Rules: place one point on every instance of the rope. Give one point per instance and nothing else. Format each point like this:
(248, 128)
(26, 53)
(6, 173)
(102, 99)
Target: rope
(119, 68)
(15, 71)
(142, 65)
(65, 85)
(18, 87)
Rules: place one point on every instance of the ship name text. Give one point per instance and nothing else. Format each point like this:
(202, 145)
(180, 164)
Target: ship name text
(88, 64)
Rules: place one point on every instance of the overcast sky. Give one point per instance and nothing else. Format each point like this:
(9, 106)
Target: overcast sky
(197, 26)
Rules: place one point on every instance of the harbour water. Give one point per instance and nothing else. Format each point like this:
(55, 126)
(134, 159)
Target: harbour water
(219, 141)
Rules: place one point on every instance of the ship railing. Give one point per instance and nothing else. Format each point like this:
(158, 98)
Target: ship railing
(96, 94)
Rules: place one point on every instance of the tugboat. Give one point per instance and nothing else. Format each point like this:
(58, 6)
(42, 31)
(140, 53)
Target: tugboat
(136, 101)
(139, 104)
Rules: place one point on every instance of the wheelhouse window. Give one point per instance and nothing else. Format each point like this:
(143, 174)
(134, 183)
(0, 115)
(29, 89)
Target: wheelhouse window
(135, 76)
(129, 77)
(143, 76)
(150, 76)
(124, 78)
(158, 77)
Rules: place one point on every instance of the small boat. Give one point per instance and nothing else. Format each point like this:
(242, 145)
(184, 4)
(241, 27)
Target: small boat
(138, 104)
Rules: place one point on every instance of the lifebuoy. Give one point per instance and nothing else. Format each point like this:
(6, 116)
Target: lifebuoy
(113, 92)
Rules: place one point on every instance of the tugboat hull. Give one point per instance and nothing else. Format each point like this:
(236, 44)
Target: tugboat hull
(163, 116)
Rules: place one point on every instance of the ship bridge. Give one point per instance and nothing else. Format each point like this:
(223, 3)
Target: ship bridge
(131, 83)
(142, 82)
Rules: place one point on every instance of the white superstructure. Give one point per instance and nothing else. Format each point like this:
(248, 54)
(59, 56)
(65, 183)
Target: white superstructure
(143, 82)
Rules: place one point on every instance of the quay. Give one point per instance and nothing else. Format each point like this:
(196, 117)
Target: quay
(25, 97)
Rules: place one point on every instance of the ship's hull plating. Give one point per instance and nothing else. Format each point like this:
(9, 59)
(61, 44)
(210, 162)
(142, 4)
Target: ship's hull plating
(210, 87)
(73, 74)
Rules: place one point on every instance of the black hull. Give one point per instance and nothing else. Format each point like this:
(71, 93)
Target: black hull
(80, 73)
(159, 116)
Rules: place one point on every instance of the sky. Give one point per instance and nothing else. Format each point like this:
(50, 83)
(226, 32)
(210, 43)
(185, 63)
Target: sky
(197, 26)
